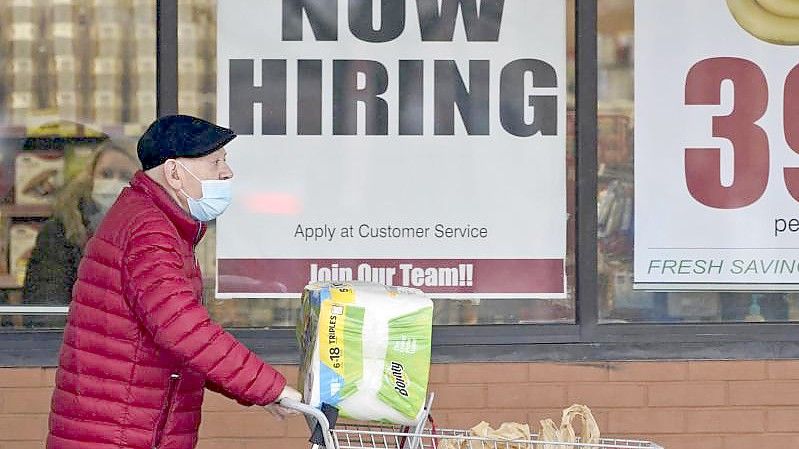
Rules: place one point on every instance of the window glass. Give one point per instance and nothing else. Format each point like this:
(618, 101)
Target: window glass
(197, 95)
(77, 86)
(619, 302)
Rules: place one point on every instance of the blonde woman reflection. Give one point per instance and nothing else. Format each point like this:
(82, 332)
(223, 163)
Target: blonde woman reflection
(78, 209)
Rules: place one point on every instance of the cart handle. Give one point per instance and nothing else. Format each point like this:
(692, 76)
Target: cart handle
(314, 413)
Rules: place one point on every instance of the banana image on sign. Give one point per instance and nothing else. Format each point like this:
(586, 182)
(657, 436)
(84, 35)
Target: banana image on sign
(774, 21)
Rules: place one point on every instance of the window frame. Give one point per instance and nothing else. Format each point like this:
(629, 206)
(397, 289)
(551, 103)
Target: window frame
(586, 341)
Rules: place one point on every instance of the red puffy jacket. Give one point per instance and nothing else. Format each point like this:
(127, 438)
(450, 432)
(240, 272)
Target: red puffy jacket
(139, 346)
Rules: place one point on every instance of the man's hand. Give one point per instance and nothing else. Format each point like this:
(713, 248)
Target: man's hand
(281, 412)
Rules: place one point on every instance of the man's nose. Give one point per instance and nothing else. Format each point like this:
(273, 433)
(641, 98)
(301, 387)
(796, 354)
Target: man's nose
(226, 172)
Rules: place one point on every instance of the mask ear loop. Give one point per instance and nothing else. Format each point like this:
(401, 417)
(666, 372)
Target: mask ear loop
(177, 162)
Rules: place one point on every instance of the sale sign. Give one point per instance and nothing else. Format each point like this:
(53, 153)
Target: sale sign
(416, 143)
(717, 144)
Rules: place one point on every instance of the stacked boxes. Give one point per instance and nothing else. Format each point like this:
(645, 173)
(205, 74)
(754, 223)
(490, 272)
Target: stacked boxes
(22, 241)
(23, 35)
(196, 57)
(64, 86)
(111, 18)
(39, 174)
(143, 46)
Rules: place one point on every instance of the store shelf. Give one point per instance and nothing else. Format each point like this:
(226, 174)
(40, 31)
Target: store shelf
(23, 211)
(79, 132)
(8, 282)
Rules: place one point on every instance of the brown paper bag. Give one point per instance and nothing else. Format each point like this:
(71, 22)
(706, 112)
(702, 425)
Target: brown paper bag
(590, 434)
(565, 432)
(551, 432)
(511, 434)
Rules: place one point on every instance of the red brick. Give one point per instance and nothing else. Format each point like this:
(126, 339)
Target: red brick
(535, 416)
(688, 441)
(607, 395)
(648, 371)
(38, 444)
(602, 417)
(439, 373)
(49, 377)
(259, 443)
(687, 394)
(761, 441)
(297, 427)
(23, 427)
(25, 400)
(645, 422)
(727, 370)
(286, 443)
(238, 425)
(470, 397)
(472, 373)
(561, 372)
(215, 402)
(782, 419)
(290, 372)
(523, 396)
(783, 369)
(467, 420)
(21, 377)
(725, 421)
(764, 393)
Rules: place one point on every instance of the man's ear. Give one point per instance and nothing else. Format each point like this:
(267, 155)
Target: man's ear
(171, 175)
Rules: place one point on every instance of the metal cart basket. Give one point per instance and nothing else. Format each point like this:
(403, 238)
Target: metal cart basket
(427, 436)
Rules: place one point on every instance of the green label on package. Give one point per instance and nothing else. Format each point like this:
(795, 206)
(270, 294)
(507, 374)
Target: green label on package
(407, 365)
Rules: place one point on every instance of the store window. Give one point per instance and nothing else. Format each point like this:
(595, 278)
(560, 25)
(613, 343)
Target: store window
(197, 95)
(619, 302)
(77, 87)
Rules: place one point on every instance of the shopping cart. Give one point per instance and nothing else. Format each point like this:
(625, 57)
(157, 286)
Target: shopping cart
(427, 436)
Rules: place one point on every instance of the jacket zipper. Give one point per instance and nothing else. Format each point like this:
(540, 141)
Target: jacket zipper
(171, 391)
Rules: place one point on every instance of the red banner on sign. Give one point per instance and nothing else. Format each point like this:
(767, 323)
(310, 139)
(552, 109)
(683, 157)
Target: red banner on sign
(520, 277)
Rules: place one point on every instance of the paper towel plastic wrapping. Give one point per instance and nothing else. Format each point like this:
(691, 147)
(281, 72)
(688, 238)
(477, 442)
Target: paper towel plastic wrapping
(366, 350)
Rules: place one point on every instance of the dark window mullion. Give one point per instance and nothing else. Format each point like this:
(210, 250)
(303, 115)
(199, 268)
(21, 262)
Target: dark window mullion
(587, 294)
(166, 57)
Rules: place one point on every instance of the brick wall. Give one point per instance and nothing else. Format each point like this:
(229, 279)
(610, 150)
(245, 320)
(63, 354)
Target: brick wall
(682, 405)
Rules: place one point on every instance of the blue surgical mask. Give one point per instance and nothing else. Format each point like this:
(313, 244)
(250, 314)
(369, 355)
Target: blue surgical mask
(216, 197)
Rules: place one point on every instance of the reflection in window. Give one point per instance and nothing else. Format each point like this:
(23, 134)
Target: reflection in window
(78, 86)
(618, 301)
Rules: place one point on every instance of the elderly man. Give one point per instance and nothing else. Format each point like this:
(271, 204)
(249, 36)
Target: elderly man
(139, 347)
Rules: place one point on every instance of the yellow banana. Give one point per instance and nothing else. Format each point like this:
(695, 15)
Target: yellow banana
(765, 25)
(785, 8)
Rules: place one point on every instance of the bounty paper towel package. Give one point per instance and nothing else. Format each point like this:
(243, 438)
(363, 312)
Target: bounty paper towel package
(366, 350)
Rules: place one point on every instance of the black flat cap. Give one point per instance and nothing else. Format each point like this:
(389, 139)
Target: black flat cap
(174, 136)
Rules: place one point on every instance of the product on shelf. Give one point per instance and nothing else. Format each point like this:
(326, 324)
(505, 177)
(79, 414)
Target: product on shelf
(624, 297)
(22, 74)
(4, 268)
(22, 240)
(144, 106)
(191, 74)
(688, 306)
(66, 73)
(38, 177)
(191, 103)
(7, 152)
(110, 11)
(63, 37)
(107, 107)
(77, 157)
(108, 75)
